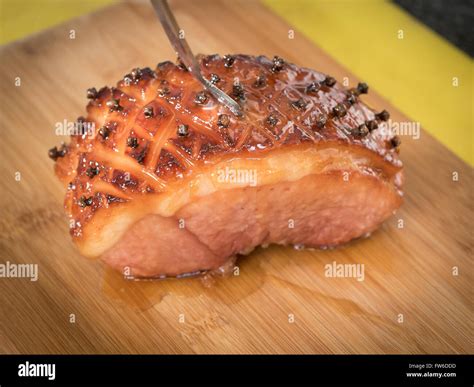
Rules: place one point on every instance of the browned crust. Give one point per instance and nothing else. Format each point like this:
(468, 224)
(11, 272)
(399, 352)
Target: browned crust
(131, 152)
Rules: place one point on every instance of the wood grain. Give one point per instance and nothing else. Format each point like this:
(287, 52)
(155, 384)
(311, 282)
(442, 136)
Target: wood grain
(407, 270)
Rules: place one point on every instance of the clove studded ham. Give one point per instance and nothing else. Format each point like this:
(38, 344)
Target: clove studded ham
(163, 180)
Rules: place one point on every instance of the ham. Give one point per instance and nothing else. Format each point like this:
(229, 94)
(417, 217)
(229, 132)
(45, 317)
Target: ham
(163, 180)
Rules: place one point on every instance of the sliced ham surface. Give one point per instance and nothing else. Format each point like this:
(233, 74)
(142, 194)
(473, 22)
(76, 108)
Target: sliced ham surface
(163, 180)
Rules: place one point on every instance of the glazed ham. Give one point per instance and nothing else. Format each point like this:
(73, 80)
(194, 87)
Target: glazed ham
(163, 180)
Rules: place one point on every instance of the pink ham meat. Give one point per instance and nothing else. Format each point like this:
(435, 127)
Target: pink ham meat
(162, 180)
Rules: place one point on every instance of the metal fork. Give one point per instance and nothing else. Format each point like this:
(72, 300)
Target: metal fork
(183, 51)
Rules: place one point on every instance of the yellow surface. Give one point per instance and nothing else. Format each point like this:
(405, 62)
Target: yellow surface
(20, 18)
(414, 73)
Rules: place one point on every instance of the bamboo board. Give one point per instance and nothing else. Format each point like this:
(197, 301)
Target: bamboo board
(281, 301)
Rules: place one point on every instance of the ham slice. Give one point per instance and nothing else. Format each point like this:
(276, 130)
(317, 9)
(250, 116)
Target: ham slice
(163, 180)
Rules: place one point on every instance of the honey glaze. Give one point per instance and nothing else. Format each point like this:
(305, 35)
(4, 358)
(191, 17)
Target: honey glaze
(240, 277)
(229, 284)
(164, 143)
(156, 126)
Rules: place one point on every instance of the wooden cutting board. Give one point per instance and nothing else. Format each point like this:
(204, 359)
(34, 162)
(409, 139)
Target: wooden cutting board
(281, 301)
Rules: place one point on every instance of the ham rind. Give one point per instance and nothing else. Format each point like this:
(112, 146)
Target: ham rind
(163, 180)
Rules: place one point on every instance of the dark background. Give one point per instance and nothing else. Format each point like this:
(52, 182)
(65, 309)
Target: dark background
(452, 19)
